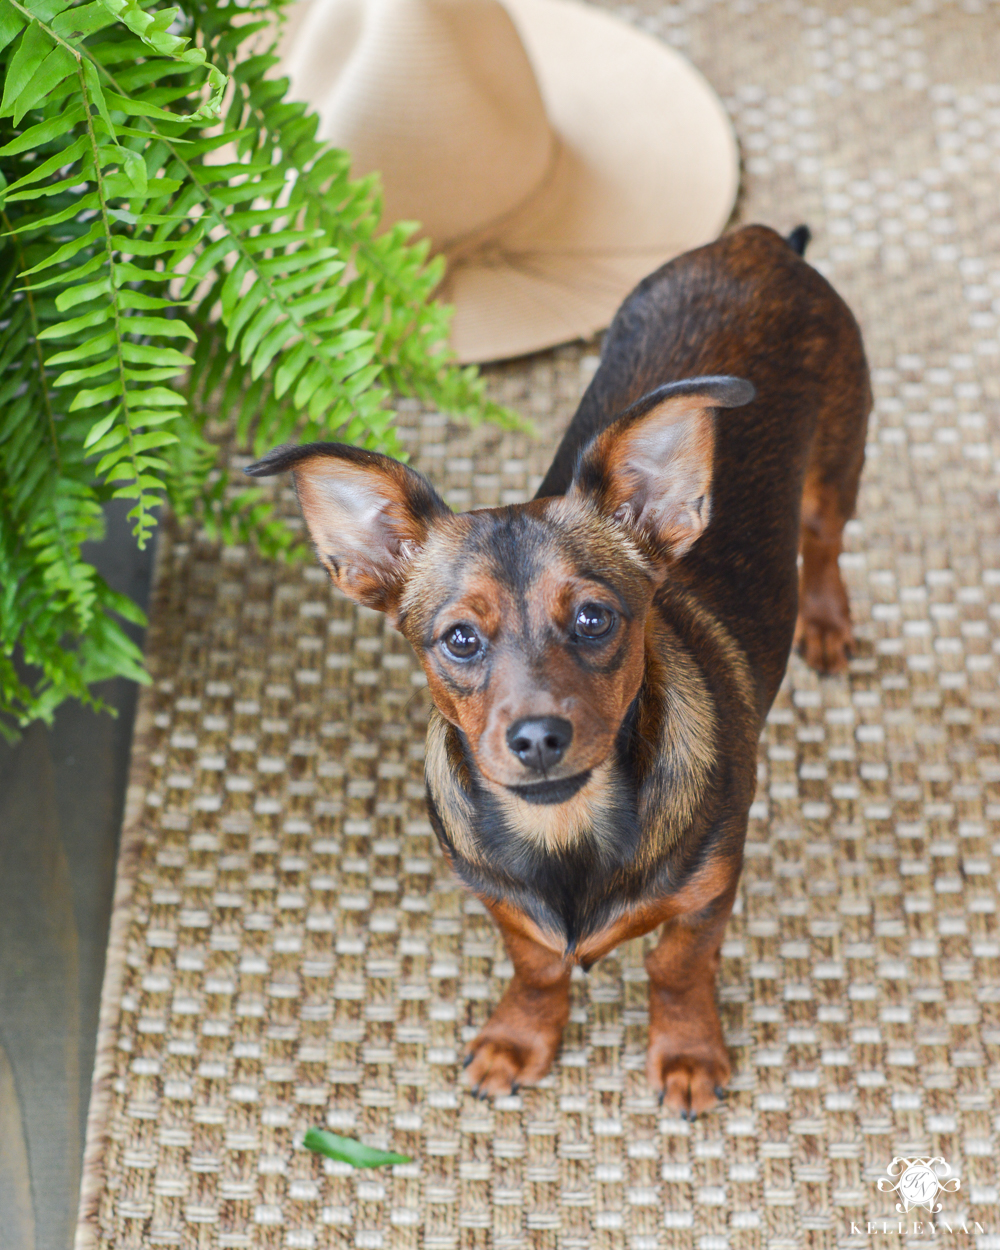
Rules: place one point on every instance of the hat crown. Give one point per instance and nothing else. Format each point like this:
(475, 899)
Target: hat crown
(438, 96)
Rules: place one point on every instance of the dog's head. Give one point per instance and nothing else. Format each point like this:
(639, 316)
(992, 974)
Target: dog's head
(529, 620)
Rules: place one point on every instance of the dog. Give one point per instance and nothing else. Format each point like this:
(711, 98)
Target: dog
(602, 658)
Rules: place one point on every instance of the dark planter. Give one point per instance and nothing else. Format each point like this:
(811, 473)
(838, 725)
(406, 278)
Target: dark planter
(62, 793)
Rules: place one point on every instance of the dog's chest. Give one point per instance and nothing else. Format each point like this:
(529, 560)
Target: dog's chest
(569, 872)
(571, 888)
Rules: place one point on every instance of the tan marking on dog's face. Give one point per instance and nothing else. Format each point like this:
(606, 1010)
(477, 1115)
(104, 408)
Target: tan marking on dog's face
(516, 579)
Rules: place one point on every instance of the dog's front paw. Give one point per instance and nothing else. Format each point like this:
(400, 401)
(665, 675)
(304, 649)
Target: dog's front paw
(687, 1062)
(688, 1085)
(519, 1042)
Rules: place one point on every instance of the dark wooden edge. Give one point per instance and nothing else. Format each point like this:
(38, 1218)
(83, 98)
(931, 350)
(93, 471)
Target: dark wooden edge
(92, 1178)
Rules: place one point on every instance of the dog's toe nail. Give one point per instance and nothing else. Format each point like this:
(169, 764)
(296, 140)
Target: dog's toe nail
(468, 1058)
(514, 1087)
(660, 1097)
(720, 1093)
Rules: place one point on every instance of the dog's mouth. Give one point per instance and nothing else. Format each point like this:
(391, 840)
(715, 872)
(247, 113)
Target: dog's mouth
(547, 792)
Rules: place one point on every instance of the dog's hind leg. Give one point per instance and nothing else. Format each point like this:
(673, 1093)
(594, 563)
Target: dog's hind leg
(823, 630)
(823, 633)
(519, 1041)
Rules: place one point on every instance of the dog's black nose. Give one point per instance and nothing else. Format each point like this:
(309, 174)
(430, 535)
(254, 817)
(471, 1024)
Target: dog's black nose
(540, 742)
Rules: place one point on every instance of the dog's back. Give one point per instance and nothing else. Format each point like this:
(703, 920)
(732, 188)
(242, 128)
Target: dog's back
(746, 305)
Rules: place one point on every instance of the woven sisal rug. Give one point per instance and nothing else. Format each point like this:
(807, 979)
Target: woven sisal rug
(289, 948)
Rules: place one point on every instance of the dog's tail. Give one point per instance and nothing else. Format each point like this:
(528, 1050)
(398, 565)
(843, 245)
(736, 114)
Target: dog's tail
(798, 240)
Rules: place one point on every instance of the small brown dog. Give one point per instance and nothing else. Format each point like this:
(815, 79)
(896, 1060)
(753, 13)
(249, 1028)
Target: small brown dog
(602, 658)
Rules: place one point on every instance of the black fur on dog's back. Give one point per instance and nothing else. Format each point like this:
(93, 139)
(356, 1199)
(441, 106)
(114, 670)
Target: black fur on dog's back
(749, 306)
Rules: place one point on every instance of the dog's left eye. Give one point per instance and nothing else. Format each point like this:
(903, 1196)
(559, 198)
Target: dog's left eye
(461, 642)
(594, 621)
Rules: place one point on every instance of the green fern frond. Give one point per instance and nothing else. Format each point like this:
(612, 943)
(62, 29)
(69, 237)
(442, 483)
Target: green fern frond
(177, 249)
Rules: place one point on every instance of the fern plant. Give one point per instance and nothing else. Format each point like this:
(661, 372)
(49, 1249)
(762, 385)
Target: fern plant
(176, 246)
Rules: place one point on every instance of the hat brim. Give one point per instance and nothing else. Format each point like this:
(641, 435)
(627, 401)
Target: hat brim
(645, 167)
(648, 167)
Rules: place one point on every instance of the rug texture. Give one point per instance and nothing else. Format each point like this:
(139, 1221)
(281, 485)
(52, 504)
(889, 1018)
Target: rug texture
(289, 948)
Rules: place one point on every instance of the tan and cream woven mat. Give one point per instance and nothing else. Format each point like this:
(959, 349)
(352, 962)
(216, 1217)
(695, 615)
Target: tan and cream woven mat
(289, 948)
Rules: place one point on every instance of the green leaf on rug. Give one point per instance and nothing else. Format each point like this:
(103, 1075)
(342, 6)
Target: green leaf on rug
(347, 1150)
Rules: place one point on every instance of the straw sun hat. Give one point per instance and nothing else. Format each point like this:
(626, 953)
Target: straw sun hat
(552, 153)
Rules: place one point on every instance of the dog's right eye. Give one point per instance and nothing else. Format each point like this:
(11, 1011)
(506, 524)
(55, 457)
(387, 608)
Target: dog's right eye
(461, 642)
(594, 621)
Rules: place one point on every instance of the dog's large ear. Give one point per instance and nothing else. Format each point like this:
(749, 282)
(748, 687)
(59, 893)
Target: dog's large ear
(652, 468)
(367, 514)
